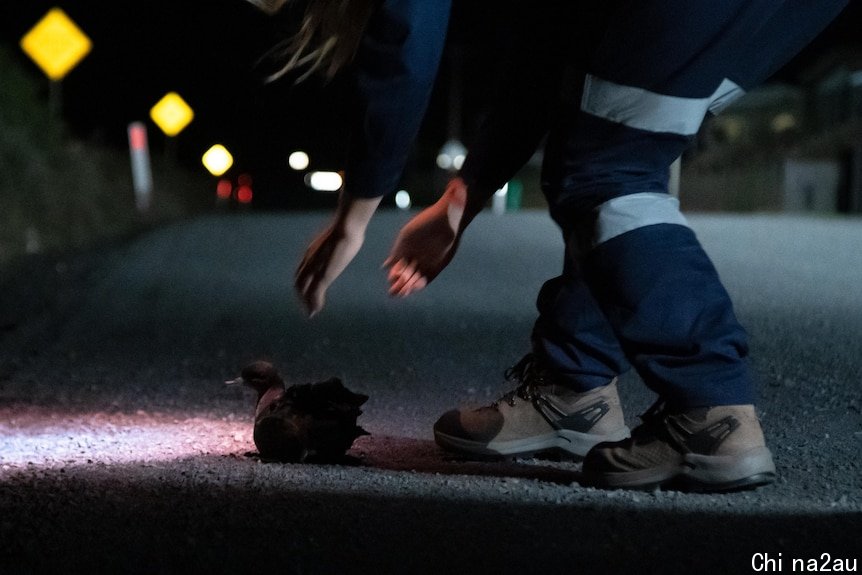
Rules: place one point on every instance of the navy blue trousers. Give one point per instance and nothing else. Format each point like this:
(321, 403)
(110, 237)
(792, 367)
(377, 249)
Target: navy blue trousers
(637, 290)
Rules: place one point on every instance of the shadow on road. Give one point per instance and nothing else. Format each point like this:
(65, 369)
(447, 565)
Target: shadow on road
(407, 454)
(142, 519)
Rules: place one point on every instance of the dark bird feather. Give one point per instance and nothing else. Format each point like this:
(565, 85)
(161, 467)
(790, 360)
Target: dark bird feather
(313, 420)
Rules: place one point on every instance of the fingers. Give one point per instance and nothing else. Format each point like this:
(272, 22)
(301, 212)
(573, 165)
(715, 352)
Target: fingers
(312, 295)
(397, 270)
(306, 272)
(405, 278)
(303, 279)
(324, 260)
(414, 284)
(314, 301)
(310, 285)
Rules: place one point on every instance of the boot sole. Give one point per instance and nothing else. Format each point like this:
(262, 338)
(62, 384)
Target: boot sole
(570, 443)
(749, 469)
(698, 473)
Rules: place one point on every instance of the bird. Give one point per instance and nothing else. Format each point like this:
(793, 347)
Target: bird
(312, 421)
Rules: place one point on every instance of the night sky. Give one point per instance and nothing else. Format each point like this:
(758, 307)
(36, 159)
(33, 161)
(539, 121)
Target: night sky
(205, 51)
(208, 51)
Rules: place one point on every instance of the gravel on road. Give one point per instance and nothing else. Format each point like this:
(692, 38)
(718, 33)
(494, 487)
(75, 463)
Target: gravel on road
(122, 450)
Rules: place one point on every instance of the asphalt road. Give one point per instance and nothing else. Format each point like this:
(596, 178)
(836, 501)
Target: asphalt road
(123, 452)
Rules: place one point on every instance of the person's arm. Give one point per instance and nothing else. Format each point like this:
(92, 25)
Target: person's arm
(526, 98)
(334, 248)
(428, 242)
(391, 80)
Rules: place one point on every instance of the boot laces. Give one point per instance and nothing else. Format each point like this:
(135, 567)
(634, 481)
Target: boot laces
(530, 375)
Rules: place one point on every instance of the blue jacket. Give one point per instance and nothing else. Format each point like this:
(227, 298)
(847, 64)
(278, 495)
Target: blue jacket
(392, 77)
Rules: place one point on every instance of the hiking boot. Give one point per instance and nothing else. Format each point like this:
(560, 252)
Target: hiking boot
(538, 416)
(703, 449)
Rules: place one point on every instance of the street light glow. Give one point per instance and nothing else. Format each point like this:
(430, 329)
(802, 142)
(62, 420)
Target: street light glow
(217, 160)
(324, 181)
(452, 155)
(402, 199)
(298, 160)
(444, 161)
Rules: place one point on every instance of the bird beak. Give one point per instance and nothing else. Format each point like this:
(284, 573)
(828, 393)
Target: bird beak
(237, 381)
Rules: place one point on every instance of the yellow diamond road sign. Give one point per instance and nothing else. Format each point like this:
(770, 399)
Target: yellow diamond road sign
(56, 44)
(217, 160)
(172, 114)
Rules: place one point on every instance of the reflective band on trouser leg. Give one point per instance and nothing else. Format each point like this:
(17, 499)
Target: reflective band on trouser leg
(626, 213)
(672, 316)
(724, 96)
(644, 110)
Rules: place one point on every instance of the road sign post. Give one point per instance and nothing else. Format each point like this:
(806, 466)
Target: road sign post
(56, 45)
(171, 114)
(142, 174)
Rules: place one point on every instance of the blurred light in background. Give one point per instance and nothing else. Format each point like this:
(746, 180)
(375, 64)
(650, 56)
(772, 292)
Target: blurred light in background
(298, 160)
(402, 199)
(217, 160)
(224, 189)
(137, 136)
(451, 155)
(783, 122)
(732, 127)
(142, 173)
(172, 114)
(56, 44)
(498, 202)
(324, 181)
(244, 193)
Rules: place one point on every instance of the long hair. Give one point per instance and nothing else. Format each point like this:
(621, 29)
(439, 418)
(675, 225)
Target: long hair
(327, 39)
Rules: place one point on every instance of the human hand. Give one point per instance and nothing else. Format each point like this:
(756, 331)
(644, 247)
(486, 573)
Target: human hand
(324, 260)
(427, 243)
(331, 251)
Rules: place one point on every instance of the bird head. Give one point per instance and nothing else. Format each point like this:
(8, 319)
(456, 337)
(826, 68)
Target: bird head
(260, 376)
